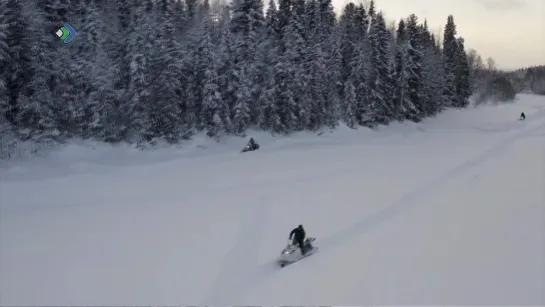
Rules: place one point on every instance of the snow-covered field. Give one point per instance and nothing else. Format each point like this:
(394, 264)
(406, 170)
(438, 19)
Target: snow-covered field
(450, 211)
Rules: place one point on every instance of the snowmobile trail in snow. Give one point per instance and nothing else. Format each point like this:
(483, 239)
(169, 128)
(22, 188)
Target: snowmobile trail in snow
(426, 191)
(265, 272)
(362, 165)
(242, 256)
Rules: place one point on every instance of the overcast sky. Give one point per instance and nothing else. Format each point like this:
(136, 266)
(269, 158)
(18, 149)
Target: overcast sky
(510, 31)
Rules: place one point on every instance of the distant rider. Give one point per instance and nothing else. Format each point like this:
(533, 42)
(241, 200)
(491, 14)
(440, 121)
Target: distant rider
(252, 144)
(522, 116)
(298, 235)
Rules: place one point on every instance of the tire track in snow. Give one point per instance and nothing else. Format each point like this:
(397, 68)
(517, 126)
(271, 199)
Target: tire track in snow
(264, 272)
(242, 257)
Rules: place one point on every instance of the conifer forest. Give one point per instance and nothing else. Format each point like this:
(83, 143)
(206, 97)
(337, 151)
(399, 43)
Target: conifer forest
(142, 70)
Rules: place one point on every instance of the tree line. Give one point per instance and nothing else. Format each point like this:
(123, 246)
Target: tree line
(141, 70)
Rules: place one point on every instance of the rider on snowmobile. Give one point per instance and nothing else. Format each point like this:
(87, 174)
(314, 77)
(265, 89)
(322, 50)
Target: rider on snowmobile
(298, 235)
(252, 144)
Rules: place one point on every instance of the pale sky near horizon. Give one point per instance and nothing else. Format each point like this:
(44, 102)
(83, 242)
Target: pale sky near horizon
(512, 32)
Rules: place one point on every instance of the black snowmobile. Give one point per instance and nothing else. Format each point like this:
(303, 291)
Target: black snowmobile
(251, 146)
(522, 116)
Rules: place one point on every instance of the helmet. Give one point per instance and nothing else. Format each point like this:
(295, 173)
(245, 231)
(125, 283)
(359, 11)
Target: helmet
(300, 226)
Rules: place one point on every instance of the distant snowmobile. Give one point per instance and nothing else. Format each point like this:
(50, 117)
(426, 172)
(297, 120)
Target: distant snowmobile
(292, 253)
(522, 116)
(251, 146)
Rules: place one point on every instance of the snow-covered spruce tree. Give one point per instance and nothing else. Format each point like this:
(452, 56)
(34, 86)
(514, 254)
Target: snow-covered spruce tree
(283, 19)
(268, 117)
(122, 58)
(247, 28)
(320, 108)
(220, 16)
(37, 112)
(164, 114)
(335, 88)
(203, 12)
(287, 90)
(432, 73)
(179, 19)
(463, 86)
(15, 56)
(378, 91)
(402, 104)
(414, 64)
(450, 50)
(214, 110)
(256, 39)
(189, 103)
(265, 53)
(361, 23)
(191, 9)
(372, 10)
(271, 22)
(330, 44)
(437, 75)
(327, 20)
(135, 121)
(355, 107)
(112, 98)
(70, 94)
(200, 63)
(348, 47)
(315, 70)
(241, 113)
(76, 80)
(297, 55)
(353, 26)
(4, 61)
(101, 117)
(350, 115)
(312, 20)
(349, 40)
(226, 74)
(286, 106)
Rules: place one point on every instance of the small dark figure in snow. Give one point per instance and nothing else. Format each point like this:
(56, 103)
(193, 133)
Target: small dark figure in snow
(299, 235)
(522, 116)
(252, 145)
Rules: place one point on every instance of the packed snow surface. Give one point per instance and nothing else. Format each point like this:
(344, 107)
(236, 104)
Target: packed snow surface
(450, 211)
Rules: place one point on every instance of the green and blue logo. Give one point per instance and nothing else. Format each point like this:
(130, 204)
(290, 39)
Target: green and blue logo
(66, 33)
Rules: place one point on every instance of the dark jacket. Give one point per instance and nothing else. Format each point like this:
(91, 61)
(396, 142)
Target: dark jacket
(298, 234)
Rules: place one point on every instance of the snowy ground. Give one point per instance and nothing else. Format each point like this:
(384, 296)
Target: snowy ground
(450, 211)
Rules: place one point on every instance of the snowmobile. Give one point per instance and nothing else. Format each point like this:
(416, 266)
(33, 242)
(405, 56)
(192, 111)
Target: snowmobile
(292, 253)
(251, 147)
(522, 116)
